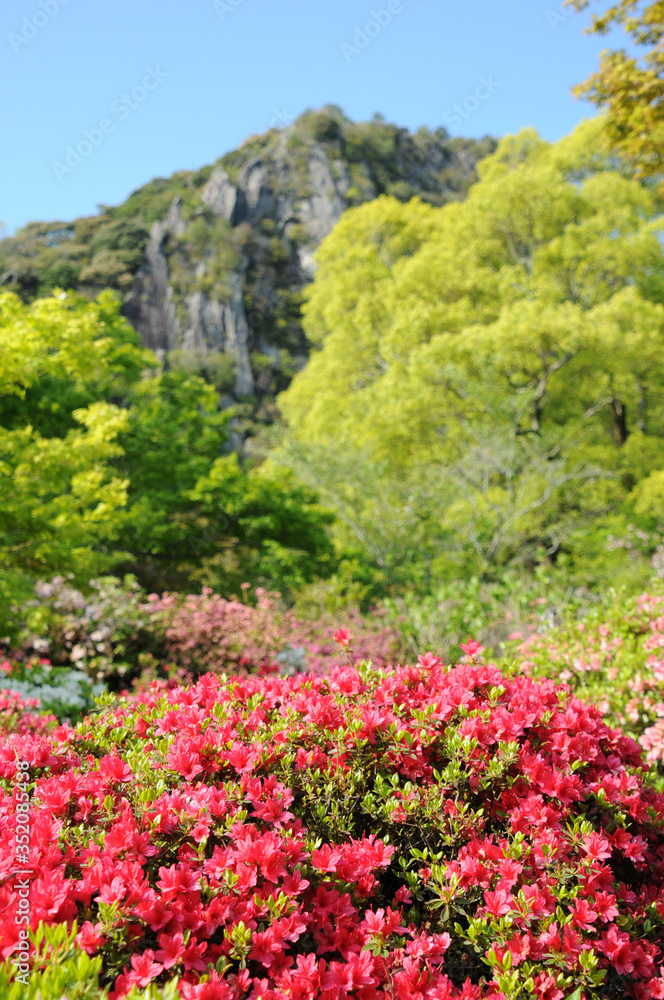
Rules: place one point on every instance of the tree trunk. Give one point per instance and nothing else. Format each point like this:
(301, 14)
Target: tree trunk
(619, 414)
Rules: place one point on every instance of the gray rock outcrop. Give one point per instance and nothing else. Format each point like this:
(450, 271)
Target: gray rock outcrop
(224, 269)
(150, 306)
(212, 324)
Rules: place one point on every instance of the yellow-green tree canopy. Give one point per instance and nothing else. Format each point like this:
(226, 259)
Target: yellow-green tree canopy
(61, 498)
(630, 87)
(498, 363)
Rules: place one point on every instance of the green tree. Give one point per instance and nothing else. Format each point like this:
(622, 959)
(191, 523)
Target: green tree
(260, 526)
(107, 462)
(61, 501)
(194, 516)
(499, 363)
(173, 435)
(61, 354)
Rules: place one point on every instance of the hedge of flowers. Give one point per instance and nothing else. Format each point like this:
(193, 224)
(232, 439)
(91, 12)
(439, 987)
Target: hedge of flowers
(417, 832)
(61, 691)
(206, 632)
(615, 660)
(106, 633)
(119, 634)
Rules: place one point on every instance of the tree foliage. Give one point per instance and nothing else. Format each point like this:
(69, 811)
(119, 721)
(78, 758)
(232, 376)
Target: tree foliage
(265, 248)
(629, 86)
(497, 364)
(105, 461)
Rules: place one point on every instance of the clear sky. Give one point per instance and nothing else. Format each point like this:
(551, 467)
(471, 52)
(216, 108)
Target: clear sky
(180, 82)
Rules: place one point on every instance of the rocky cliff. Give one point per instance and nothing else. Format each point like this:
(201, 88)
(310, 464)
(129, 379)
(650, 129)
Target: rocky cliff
(211, 264)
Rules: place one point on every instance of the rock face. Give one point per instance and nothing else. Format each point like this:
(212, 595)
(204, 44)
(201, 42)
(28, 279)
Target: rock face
(212, 263)
(236, 331)
(322, 210)
(220, 196)
(211, 324)
(149, 305)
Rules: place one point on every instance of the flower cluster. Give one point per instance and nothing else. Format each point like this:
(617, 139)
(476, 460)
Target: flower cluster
(207, 632)
(615, 661)
(418, 833)
(20, 715)
(118, 635)
(57, 691)
(105, 634)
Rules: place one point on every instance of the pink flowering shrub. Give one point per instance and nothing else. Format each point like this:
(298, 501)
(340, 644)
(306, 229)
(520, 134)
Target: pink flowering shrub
(205, 632)
(614, 660)
(118, 635)
(415, 832)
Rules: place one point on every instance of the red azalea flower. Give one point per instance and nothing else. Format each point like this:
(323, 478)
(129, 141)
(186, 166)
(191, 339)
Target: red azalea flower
(143, 968)
(429, 661)
(343, 637)
(171, 949)
(115, 769)
(617, 947)
(215, 989)
(597, 847)
(472, 649)
(604, 904)
(499, 903)
(583, 916)
(546, 987)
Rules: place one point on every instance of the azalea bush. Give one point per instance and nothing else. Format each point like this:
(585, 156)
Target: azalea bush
(489, 610)
(60, 691)
(118, 634)
(20, 715)
(106, 633)
(410, 832)
(613, 658)
(208, 633)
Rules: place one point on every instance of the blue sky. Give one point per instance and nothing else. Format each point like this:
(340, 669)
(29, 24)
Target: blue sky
(224, 69)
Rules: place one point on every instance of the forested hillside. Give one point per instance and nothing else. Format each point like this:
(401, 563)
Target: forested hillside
(484, 401)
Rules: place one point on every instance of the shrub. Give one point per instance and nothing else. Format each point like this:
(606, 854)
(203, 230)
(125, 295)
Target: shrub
(411, 832)
(208, 633)
(17, 715)
(117, 635)
(614, 659)
(57, 691)
(490, 610)
(106, 635)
